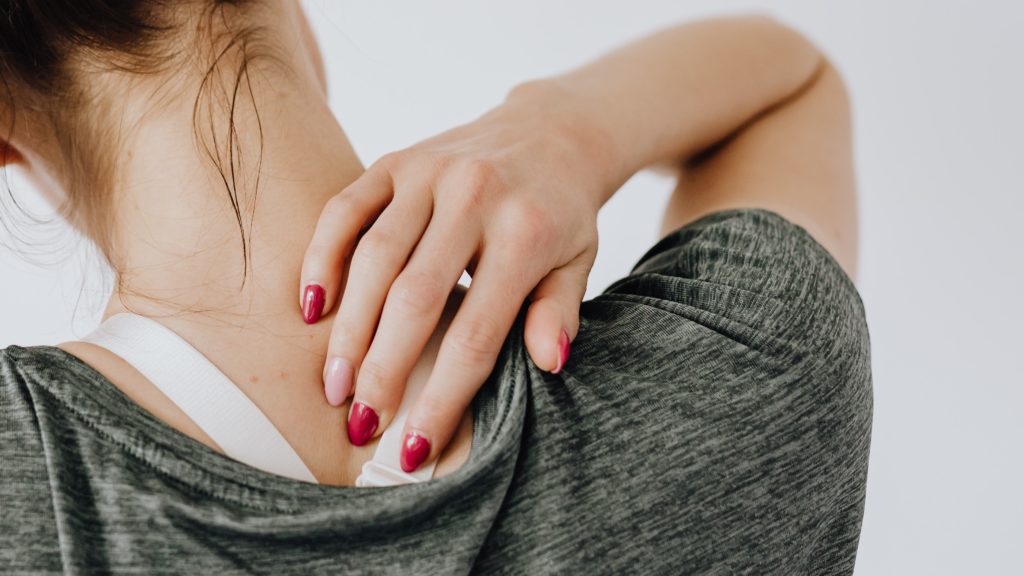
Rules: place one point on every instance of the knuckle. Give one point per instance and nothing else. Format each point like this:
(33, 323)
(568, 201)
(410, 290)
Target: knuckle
(438, 164)
(374, 249)
(418, 292)
(338, 207)
(481, 173)
(479, 180)
(391, 160)
(530, 227)
(475, 342)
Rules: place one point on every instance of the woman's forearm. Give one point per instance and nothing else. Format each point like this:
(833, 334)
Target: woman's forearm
(674, 94)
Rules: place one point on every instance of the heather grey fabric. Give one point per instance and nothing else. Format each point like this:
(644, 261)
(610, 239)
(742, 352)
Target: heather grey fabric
(714, 417)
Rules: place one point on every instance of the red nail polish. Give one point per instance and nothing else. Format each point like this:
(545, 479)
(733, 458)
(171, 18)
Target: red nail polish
(362, 423)
(563, 351)
(415, 450)
(313, 303)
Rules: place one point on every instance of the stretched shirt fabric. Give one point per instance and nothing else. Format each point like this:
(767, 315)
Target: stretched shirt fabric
(714, 417)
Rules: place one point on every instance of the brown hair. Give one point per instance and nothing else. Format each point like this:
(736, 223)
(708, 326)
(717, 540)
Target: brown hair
(45, 45)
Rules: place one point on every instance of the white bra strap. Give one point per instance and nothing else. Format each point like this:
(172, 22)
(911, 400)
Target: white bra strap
(202, 392)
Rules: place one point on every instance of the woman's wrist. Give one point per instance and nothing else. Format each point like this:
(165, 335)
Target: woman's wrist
(578, 121)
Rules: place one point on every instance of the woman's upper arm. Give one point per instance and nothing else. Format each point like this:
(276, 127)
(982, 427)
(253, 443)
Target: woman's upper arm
(796, 159)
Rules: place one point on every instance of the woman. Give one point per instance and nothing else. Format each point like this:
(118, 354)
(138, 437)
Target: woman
(714, 414)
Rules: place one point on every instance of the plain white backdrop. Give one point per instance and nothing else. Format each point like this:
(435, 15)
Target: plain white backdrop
(938, 91)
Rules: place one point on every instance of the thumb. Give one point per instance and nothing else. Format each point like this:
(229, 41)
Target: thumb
(553, 317)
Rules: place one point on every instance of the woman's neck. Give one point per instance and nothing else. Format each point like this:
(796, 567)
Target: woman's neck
(213, 222)
(178, 251)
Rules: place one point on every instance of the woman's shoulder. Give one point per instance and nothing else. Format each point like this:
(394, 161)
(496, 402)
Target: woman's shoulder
(752, 273)
(26, 377)
(735, 307)
(31, 366)
(22, 365)
(41, 387)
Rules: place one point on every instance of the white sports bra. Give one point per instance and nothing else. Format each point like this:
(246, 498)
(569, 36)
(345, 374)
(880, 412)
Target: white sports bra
(226, 414)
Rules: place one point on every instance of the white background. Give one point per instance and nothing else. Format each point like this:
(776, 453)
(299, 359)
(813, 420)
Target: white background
(938, 90)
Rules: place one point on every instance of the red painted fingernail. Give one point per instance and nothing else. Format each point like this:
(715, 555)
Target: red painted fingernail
(312, 303)
(362, 423)
(414, 451)
(563, 351)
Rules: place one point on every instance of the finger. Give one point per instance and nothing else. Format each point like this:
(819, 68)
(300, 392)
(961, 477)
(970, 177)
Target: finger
(342, 219)
(465, 359)
(553, 317)
(379, 257)
(411, 313)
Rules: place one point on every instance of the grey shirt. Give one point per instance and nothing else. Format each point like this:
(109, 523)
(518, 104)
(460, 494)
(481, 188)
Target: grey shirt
(714, 417)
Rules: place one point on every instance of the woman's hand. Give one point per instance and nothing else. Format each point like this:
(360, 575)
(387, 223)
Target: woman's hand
(512, 197)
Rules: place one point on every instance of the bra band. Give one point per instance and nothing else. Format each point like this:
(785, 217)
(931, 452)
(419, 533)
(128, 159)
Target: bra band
(225, 413)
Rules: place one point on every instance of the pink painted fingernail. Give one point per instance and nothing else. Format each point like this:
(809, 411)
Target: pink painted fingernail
(338, 380)
(313, 303)
(362, 423)
(563, 351)
(414, 451)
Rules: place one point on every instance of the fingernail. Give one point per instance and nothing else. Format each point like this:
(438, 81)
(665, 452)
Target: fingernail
(338, 381)
(563, 351)
(362, 423)
(414, 451)
(312, 303)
